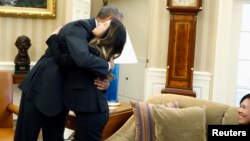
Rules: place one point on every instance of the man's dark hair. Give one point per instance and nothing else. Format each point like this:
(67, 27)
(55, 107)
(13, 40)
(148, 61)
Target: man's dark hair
(247, 96)
(110, 10)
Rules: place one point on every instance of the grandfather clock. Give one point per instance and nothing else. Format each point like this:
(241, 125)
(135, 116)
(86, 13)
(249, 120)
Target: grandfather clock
(181, 47)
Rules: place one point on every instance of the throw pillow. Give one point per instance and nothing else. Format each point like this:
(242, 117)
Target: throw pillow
(180, 124)
(144, 121)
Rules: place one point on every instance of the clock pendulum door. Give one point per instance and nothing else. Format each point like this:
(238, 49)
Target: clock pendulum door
(181, 47)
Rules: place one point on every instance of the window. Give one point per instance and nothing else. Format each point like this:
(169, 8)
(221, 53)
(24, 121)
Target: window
(243, 76)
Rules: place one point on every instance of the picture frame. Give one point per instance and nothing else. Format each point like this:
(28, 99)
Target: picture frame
(47, 11)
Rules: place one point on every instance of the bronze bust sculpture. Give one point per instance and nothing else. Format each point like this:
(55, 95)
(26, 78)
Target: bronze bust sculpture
(22, 59)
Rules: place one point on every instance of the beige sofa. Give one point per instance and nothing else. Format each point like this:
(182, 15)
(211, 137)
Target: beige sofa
(215, 113)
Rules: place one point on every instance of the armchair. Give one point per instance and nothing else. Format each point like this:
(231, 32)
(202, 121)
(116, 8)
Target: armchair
(7, 107)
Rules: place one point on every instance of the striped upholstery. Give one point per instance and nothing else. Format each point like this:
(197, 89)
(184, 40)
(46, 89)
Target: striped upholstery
(144, 121)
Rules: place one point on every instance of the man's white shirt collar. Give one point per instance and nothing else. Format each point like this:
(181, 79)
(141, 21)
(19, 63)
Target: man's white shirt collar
(96, 23)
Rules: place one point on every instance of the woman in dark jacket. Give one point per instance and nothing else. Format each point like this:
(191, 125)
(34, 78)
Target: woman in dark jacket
(79, 93)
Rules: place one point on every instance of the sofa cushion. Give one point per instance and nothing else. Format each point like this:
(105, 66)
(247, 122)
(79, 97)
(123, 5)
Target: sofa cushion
(144, 123)
(126, 133)
(179, 124)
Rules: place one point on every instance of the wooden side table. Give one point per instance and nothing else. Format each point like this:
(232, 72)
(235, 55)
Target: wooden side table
(118, 116)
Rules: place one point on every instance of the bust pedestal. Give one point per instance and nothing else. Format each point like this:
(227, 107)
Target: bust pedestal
(22, 69)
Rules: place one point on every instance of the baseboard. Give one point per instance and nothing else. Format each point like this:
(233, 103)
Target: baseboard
(11, 65)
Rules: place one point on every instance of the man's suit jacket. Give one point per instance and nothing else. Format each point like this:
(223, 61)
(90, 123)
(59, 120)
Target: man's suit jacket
(43, 84)
(79, 92)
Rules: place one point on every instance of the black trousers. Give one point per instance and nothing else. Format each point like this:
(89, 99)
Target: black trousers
(89, 126)
(30, 121)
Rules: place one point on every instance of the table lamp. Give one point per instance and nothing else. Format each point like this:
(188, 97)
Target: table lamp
(127, 57)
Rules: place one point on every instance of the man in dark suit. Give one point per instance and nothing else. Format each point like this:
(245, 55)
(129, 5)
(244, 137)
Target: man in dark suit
(41, 103)
(79, 93)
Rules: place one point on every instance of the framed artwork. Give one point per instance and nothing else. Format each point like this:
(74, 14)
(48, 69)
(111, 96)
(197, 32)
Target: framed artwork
(28, 8)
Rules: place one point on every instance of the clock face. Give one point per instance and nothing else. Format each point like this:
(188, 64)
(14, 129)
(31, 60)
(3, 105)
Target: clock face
(191, 3)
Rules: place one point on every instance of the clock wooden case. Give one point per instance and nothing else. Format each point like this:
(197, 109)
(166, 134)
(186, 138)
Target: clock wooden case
(181, 47)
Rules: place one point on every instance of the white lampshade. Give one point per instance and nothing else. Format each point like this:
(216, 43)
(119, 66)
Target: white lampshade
(128, 54)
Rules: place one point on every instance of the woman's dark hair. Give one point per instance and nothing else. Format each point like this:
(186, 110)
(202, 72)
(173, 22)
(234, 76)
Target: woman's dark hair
(247, 96)
(111, 42)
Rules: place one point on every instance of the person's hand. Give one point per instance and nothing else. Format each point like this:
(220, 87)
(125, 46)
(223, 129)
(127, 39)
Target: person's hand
(57, 30)
(102, 84)
(112, 64)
